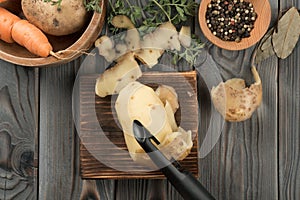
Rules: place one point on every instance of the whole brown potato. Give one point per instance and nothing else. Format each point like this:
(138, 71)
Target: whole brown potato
(66, 19)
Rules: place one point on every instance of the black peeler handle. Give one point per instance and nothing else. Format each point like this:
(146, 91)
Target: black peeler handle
(183, 181)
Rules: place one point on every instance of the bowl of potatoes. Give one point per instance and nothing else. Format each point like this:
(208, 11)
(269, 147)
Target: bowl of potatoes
(44, 33)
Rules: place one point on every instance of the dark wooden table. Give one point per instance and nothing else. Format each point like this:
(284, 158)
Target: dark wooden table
(255, 159)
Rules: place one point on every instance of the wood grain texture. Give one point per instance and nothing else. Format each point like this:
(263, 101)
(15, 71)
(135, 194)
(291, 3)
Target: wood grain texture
(100, 134)
(59, 176)
(18, 132)
(58, 161)
(289, 127)
(289, 132)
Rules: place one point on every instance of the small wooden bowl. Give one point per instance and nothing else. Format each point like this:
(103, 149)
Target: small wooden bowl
(261, 25)
(74, 44)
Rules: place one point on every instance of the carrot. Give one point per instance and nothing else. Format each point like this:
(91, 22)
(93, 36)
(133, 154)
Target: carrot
(2, 1)
(7, 20)
(32, 38)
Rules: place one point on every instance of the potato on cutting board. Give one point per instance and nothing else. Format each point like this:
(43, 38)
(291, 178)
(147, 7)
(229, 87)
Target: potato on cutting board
(139, 102)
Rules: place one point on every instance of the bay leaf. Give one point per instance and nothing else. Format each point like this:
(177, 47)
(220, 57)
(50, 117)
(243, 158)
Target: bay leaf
(285, 38)
(265, 49)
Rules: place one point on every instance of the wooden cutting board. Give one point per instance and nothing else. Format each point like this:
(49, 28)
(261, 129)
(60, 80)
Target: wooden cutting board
(185, 84)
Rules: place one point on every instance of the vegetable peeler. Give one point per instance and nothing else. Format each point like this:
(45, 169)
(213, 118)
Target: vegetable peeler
(183, 181)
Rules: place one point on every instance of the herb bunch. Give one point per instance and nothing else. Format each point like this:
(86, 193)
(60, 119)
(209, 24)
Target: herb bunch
(175, 11)
(155, 13)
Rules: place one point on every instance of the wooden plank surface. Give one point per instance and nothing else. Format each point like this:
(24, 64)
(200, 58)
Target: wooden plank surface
(18, 132)
(59, 176)
(289, 127)
(58, 160)
(289, 120)
(97, 136)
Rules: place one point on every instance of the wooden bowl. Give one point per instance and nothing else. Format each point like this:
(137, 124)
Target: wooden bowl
(261, 25)
(74, 44)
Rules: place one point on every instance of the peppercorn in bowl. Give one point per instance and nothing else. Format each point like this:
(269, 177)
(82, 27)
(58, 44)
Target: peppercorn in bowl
(234, 24)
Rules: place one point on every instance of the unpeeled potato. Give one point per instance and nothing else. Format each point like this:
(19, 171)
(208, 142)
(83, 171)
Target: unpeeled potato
(69, 18)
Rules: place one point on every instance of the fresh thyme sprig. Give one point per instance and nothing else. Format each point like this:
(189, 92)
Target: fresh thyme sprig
(189, 54)
(175, 11)
(54, 2)
(90, 5)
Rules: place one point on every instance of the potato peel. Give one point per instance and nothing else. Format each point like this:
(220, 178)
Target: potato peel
(236, 102)
(113, 80)
(105, 47)
(168, 93)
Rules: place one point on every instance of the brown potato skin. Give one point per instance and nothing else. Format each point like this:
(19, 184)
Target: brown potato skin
(67, 19)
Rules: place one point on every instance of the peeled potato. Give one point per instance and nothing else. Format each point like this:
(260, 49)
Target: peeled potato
(139, 102)
(69, 18)
(170, 115)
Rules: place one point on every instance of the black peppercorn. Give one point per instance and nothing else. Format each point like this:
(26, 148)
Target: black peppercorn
(230, 20)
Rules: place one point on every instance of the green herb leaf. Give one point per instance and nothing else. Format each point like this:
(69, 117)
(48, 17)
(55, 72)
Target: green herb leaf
(93, 5)
(90, 5)
(54, 2)
(189, 54)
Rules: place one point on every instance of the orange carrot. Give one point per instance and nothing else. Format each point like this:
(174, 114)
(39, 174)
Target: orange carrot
(32, 38)
(2, 1)
(7, 20)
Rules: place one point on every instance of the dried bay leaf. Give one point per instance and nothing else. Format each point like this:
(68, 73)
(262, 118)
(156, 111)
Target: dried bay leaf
(265, 49)
(285, 38)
